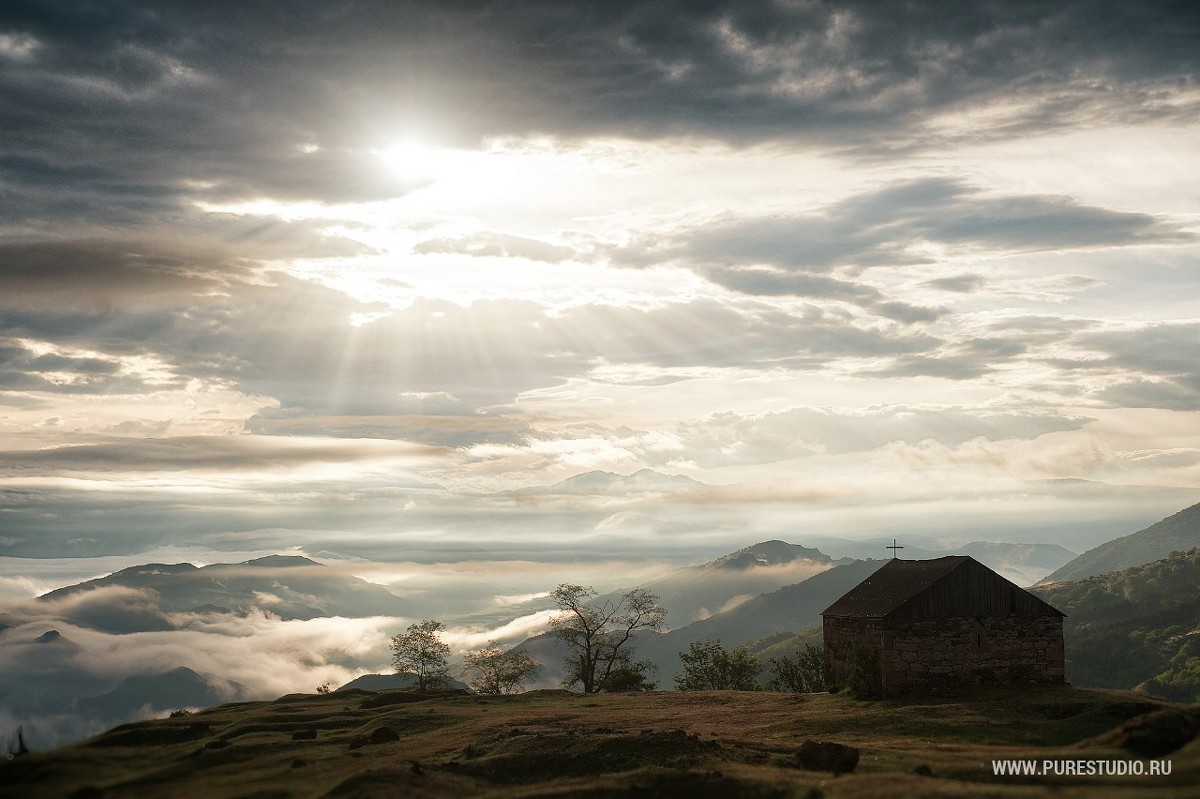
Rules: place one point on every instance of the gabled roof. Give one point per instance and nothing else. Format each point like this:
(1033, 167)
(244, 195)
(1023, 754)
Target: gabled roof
(893, 584)
(948, 586)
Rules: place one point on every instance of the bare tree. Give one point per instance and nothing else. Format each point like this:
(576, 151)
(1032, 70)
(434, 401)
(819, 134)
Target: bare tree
(600, 635)
(421, 652)
(500, 672)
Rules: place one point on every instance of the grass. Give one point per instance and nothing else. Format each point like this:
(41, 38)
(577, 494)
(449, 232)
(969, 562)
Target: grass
(558, 744)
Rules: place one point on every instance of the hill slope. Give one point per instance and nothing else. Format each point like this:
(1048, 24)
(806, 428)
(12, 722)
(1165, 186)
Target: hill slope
(1138, 627)
(552, 743)
(1177, 533)
(287, 586)
(791, 608)
(698, 592)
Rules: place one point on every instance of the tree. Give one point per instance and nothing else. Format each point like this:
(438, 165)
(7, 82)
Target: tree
(708, 666)
(421, 652)
(500, 672)
(600, 635)
(802, 673)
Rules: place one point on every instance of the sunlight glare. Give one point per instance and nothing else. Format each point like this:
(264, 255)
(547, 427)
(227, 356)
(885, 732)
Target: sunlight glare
(420, 163)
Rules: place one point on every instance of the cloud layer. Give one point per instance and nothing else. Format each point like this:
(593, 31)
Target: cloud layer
(370, 280)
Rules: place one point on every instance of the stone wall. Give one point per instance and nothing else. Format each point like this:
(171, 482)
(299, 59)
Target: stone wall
(957, 651)
(842, 638)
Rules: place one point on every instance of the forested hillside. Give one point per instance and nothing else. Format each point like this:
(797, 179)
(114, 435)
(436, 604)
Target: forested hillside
(1135, 628)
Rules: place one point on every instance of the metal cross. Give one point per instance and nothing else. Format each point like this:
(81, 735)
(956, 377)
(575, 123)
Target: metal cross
(894, 547)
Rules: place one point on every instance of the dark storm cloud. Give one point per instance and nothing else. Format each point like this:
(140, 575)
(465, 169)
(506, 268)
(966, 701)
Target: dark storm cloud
(118, 109)
(879, 228)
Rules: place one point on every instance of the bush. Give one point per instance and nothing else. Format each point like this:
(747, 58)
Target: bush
(802, 673)
(629, 678)
(864, 680)
(708, 666)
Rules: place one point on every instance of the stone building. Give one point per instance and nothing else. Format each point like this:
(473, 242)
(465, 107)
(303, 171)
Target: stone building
(925, 624)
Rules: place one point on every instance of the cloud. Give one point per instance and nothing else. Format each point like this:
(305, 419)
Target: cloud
(1167, 394)
(220, 453)
(958, 284)
(116, 609)
(806, 431)
(267, 656)
(498, 245)
(450, 430)
(18, 46)
(887, 227)
(121, 114)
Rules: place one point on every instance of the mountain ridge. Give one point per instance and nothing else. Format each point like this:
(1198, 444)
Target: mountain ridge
(1178, 532)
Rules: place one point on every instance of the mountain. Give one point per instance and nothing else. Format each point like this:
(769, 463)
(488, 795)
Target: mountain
(1177, 533)
(287, 586)
(598, 483)
(791, 609)
(144, 695)
(56, 641)
(1134, 628)
(1023, 564)
(788, 610)
(767, 553)
(697, 592)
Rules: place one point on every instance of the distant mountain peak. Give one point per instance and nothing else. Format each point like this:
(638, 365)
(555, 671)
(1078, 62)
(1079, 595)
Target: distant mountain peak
(769, 553)
(280, 561)
(154, 569)
(54, 641)
(598, 482)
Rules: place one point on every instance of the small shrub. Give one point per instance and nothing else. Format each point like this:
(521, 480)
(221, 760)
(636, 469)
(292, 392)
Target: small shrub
(801, 673)
(632, 678)
(863, 679)
(708, 666)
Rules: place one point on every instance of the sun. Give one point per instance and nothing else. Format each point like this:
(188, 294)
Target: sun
(418, 162)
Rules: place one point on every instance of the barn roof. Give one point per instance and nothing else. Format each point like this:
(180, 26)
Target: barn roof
(951, 585)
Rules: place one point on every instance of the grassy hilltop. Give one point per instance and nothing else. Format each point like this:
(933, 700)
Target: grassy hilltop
(555, 743)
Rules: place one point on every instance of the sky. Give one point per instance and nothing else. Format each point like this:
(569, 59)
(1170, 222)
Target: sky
(368, 281)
